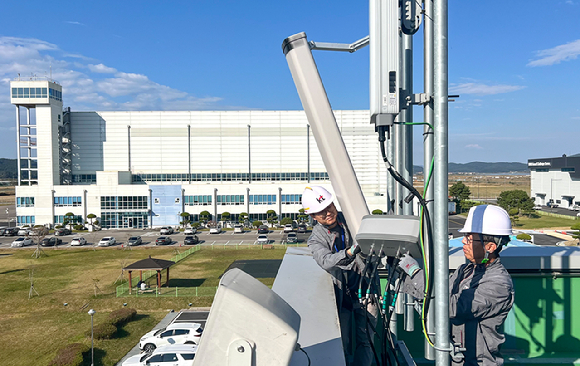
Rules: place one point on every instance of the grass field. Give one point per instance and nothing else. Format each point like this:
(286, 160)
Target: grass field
(32, 330)
(7, 195)
(484, 186)
(544, 222)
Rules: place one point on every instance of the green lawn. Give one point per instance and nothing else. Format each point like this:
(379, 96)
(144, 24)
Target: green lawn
(32, 330)
(544, 222)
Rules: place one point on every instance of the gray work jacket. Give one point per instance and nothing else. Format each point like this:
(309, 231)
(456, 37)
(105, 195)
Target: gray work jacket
(480, 298)
(341, 266)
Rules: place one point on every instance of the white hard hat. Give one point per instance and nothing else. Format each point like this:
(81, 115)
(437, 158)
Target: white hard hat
(488, 220)
(315, 199)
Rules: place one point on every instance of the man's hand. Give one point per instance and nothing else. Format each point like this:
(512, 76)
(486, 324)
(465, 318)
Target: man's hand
(353, 250)
(409, 265)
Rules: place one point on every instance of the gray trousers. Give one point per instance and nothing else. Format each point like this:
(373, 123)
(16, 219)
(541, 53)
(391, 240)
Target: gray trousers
(363, 353)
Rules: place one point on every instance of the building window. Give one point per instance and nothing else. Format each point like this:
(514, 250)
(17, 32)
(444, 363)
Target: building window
(84, 178)
(124, 203)
(230, 199)
(291, 199)
(76, 219)
(197, 200)
(25, 220)
(24, 201)
(262, 199)
(67, 201)
(572, 170)
(30, 93)
(228, 177)
(542, 169)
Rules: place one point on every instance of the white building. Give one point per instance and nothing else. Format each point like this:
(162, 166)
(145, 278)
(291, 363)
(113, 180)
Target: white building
(143, 169)
(556, 180)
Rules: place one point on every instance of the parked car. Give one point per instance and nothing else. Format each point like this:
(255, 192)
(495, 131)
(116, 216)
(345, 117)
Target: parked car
(176, 333)
(50, 242)
(292, 238)
(166, 230)
(24, 232)
(190, 231)
(62, 231)
(106, 241)
(191, 240)
(302, 228)
(134, 240)
(21, 242)
(238, 229)
(262, 239)
(574, 208)
(78, 240)
(176, 355)
(163, 240)
(10, 231)
(537, 207)
(215, 230)
(263, 229)
(288, 228)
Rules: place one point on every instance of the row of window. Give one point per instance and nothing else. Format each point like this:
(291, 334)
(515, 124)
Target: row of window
(84, 178)
(55, 94)
(227, 177)
(124, 202)
(571, 170)
(117, 220)
(290, 199)
(262, 199)
(197, 200)
(76, 219)
(67, 201)
(24, 201)
(29, 93)
(23, 220)
(236, 199)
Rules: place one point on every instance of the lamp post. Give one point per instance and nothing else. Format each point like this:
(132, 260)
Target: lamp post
(91, 313)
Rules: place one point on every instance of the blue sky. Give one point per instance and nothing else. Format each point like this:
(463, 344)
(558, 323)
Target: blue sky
(514, 63)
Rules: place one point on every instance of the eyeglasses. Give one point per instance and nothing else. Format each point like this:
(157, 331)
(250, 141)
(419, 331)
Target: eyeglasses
(469, 238)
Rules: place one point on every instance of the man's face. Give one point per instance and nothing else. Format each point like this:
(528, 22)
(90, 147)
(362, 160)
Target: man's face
(326, 216)
(473, 250)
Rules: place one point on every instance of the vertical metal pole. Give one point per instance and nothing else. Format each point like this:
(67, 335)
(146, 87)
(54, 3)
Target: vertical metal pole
(92, 344)
(18, 142)
(407, 142)
(308, 151)
(428, 148)
(189, 152)
(129, 146)
(441, 250)
(280, 203)
(249, 157)
(215, 217)
(248, 203)
(150, 208)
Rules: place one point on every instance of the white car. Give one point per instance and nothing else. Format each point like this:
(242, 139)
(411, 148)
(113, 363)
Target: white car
(79, 240)
(177, 355)
(537, 207)
(106, 241)
(238, 229)
(20, 242)
(262, 239)
(23, 232)
(215, 230)
(175, 333)
(166, 230)
(288, 228)
(190, 231)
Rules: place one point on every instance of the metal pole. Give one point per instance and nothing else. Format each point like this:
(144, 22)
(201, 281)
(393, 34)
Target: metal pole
(428, 146)
(441, 149)
(308, 151)
(249, 157)
(407, 142)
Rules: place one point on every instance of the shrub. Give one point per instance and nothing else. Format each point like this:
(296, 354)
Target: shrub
(103, 331)
(58, 227)
(257, 223)
(70, 355)
(286, 221)
(122, 316)
(79, 227)
(523, 236)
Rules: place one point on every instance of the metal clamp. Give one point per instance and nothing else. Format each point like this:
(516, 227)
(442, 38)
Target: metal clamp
(418, 99)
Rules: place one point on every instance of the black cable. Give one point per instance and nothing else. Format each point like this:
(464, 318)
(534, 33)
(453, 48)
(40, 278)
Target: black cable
(302, 349)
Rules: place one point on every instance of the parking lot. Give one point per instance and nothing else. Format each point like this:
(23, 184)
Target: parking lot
(149, 236)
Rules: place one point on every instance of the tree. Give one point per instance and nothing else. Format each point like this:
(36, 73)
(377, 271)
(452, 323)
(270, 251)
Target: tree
(514, 215)
(517, 199)
(378, 211)
(242, 217)
(185, 218)
(272, 217)
(204, 216)
(576, 235)
(69, 218)
(459, 192)
(226, 216)
(91, 217)
(286, 221)
(257, 223)
(302, 217)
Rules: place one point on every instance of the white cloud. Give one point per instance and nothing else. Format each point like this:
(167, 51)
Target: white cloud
(100, 68)
(473, 146)
(564, 52)
(73, 22)
(482, 89)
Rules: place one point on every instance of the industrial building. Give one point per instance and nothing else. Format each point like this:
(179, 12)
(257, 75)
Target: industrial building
(137, 169)
(556, 180)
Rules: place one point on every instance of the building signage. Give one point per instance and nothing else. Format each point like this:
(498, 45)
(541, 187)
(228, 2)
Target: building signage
(539, 163)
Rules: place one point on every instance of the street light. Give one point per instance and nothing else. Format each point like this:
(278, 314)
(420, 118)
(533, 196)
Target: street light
(91, 313)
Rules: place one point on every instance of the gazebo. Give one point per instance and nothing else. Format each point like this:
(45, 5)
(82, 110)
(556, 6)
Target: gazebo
(149, 264)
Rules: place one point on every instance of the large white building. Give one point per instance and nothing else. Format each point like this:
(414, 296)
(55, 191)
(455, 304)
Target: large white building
(556, 180)
(143, 169)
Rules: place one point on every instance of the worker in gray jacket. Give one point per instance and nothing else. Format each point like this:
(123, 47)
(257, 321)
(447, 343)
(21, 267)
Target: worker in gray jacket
(481, 291)
(335, 250)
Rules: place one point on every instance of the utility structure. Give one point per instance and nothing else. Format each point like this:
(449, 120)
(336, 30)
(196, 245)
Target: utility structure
(392, 24)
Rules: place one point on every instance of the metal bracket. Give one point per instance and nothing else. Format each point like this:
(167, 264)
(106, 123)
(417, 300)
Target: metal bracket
(240, 353)
(418, 99)
(344, 47)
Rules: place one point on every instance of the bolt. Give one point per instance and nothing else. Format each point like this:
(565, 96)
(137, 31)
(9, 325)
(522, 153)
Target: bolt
(241, 349)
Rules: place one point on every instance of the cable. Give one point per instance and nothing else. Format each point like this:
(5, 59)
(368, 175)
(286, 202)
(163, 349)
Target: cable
(302, 349)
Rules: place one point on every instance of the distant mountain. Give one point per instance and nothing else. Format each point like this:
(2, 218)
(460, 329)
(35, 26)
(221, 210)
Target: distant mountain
(481, 167)
(8, 168)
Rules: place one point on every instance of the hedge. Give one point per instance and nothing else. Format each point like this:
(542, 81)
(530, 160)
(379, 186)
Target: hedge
(71, 355)
(103, 331)
(122, 316)
(523, 236)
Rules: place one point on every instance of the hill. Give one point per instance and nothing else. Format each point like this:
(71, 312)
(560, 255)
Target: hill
(8, 168)
(482, 167)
